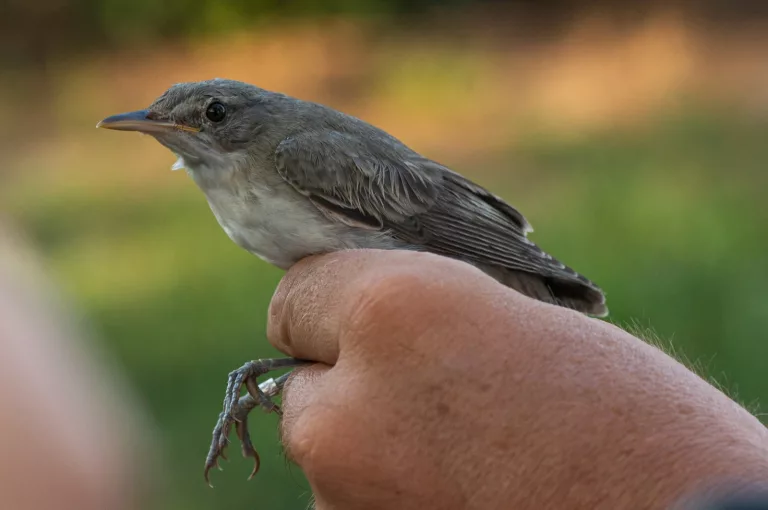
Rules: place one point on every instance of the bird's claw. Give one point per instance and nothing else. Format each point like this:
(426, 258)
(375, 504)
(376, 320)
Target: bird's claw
(242, 376)
(221, 440)
(236, 409)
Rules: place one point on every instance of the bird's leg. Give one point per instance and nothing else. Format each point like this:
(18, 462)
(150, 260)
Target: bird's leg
(236, 408)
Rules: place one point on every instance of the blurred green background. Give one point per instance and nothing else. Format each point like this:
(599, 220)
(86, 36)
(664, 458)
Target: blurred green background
(633, 139)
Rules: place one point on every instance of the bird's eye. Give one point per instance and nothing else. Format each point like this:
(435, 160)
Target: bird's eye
(216, 112)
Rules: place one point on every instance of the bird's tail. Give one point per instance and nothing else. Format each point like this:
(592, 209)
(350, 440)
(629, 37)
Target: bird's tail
(578, 294)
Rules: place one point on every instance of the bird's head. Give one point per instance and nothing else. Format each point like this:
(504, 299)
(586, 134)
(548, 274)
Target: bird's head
(206, 123)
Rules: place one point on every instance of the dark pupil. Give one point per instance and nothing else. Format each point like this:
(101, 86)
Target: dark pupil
(216, 112)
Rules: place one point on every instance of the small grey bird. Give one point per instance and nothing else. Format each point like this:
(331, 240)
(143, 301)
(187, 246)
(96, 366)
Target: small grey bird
(287, 178)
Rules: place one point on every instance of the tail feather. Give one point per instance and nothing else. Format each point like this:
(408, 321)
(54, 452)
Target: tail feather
(580, 295)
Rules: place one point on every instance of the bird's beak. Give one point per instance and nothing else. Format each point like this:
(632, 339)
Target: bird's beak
(139, 121)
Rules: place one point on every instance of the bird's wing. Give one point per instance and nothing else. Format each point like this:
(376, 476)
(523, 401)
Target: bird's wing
(383, 186)
(357, 181)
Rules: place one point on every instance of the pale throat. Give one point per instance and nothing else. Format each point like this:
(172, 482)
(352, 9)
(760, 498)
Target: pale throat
(239, 208)
(213, 173)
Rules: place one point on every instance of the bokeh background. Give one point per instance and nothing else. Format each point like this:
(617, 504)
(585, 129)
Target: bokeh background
(633, 137)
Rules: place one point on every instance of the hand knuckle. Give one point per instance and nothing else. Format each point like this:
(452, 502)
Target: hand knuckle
(316, 443)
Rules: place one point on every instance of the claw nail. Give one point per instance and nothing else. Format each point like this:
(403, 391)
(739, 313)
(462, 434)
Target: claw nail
(257, 464)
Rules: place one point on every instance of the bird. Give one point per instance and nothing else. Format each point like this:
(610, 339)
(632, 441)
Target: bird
(287, 178)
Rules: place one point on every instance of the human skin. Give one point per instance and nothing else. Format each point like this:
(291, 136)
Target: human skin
(437, 387)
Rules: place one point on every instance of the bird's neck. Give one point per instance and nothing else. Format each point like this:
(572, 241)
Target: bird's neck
(216, 174)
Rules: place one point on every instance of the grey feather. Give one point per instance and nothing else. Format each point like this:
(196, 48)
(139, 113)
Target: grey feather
(371, 182)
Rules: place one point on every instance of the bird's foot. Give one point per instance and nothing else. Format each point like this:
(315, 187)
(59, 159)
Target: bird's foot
(236, 408)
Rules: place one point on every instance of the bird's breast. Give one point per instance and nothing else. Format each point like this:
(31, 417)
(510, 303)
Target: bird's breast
(278, 227)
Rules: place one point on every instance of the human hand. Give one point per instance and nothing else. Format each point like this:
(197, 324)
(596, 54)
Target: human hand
(440, 388)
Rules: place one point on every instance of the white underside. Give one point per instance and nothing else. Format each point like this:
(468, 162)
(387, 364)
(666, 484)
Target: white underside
(277, 225)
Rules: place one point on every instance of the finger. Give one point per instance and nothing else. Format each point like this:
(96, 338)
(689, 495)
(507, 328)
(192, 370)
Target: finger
(315, 299)
(304, 313)
(299, 393)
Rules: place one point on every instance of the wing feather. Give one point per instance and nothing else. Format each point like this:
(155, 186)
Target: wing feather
(354, 174)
